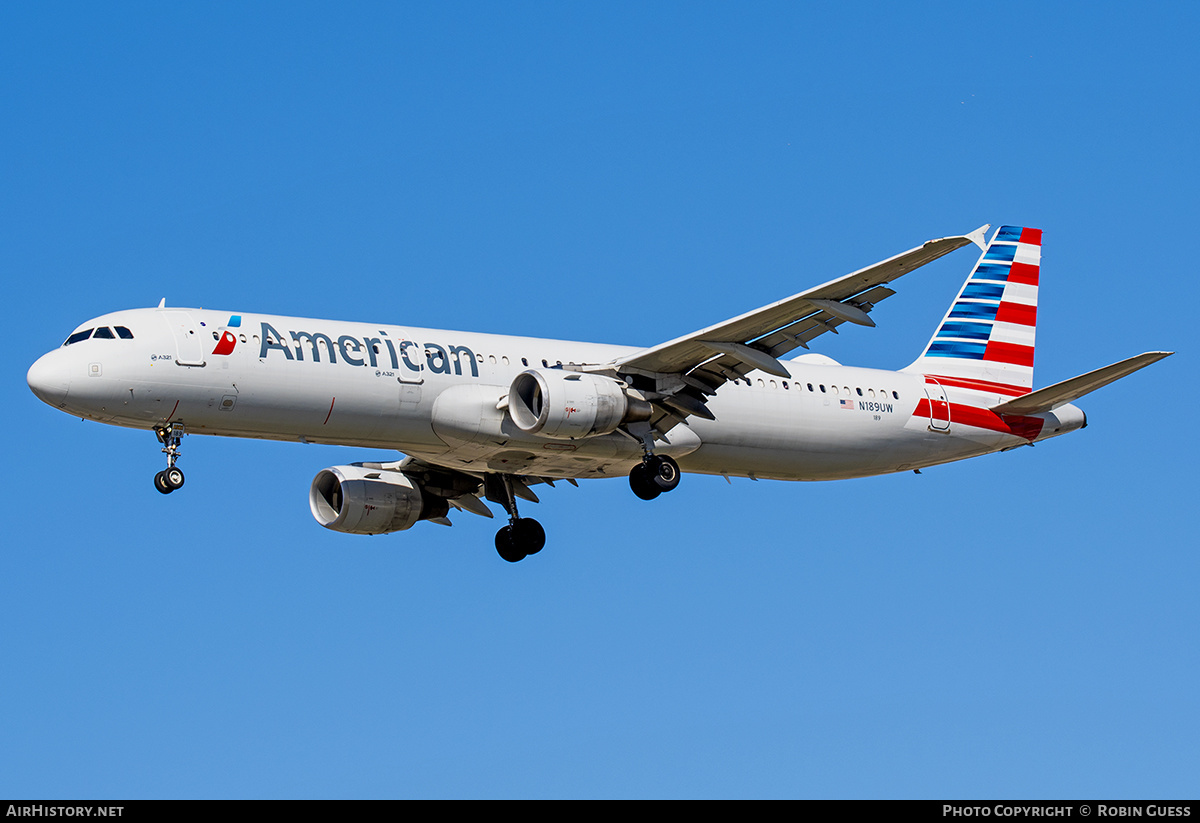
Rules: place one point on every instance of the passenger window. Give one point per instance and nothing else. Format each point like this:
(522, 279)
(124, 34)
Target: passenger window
(860, 394)
(822, 388)
(895, 396)
(810, 388)
(124, 333)
(78, 336)
(103, 332)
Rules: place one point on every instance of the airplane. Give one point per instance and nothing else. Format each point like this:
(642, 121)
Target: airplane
(486, 417)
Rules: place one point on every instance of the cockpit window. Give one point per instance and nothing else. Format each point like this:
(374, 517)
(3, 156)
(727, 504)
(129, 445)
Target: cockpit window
(102, 333)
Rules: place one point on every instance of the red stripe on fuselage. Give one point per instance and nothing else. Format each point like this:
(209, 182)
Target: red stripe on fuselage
(1015, 424)
(979, 385)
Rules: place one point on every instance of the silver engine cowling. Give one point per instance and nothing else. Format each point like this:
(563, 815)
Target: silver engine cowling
(566, 405)
(361, 500)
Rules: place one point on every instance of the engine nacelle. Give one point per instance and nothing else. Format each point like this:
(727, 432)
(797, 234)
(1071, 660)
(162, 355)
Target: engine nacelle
(567, 405)
(361, 500)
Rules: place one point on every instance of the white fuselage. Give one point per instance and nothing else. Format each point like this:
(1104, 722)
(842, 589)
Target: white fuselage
(438, 395)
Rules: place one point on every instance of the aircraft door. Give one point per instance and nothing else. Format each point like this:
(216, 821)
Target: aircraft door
(939, 406)
(189, 345)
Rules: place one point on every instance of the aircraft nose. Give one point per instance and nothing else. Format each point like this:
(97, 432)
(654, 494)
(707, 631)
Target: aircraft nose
(48, 379)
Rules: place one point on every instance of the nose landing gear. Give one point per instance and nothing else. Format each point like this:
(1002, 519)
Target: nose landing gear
(170, 478)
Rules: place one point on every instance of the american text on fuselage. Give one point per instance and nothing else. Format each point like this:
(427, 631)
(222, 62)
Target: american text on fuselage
(366, 351)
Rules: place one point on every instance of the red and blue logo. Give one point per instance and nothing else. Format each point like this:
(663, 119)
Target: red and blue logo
(228, 339)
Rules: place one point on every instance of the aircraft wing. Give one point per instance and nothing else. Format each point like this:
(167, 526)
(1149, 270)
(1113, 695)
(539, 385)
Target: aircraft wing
(692, 367)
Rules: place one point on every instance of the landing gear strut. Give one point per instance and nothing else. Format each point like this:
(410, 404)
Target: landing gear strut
(170, 478)
(656, 474)
(522, 536)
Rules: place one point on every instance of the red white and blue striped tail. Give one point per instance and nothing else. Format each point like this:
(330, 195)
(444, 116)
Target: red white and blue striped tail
(986, 339)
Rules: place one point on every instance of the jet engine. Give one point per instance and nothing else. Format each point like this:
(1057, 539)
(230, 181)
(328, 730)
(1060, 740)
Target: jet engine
(566, 405)
(362, 500)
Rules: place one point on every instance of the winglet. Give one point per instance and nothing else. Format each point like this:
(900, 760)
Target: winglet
(162, 304)
(979, 236)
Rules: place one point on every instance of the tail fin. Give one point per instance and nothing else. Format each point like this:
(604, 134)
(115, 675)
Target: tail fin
(987, 336)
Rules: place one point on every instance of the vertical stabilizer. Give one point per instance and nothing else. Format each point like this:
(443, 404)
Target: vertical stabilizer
(987, 336)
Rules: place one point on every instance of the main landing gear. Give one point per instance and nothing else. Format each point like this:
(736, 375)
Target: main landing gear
(170, 478)
(522, 536)
(656, 474)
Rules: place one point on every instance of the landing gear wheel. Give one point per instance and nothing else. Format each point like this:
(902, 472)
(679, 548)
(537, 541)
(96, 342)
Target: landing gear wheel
(662, 472)
(173, 478)
(521, 538)
(160, 483)
(642, 483)
(529, 535)
(506, 546)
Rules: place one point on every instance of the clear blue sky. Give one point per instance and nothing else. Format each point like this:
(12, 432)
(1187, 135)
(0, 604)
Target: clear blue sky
(1022, 625)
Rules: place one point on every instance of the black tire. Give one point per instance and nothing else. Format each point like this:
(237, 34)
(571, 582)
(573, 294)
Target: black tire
(663, 472)
(641, 484)
(528, 535)
(173, 478)
(160, 483)
(506, 546)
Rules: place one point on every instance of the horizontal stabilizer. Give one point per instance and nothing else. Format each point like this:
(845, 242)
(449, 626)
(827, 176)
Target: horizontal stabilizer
(1051, 397)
